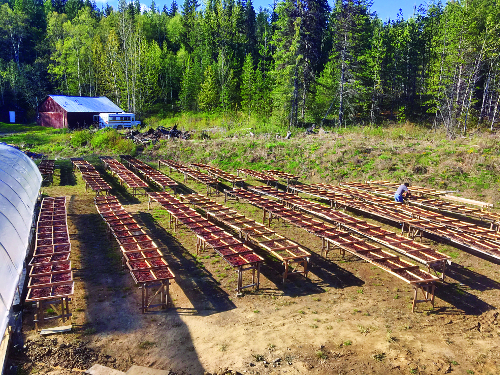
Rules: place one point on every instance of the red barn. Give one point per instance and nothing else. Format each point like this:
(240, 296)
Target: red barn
(73, 112)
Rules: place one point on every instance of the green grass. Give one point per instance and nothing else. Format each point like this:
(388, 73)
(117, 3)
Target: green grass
(16, 128)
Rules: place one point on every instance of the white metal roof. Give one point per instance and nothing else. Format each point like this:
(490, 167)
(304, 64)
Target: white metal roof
(86, 103)
(20, 182)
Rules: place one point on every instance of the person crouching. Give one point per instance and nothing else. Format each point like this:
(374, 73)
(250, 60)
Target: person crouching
(402, 193)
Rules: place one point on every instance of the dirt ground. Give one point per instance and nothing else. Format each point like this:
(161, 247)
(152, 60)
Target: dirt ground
(348, 317)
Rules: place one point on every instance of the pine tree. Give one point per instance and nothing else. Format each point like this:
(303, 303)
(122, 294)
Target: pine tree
(248, 86)
(173, 9)
(208, 97)
(189, 86)
(287, 60)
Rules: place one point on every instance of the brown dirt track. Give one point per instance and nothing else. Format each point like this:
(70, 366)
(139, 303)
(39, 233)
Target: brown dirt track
(348, 317)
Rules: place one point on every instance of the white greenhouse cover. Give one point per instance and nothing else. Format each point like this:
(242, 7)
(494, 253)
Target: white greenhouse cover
(20, 181)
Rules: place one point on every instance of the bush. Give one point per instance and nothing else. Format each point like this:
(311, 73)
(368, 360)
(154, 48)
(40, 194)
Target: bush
(80, 138)
(109, 140)
(105, 138)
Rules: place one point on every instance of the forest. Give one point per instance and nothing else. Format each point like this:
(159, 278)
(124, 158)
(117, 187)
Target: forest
(301, 62)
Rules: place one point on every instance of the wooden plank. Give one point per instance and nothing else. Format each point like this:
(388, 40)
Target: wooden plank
(50, 331)
(467, 201)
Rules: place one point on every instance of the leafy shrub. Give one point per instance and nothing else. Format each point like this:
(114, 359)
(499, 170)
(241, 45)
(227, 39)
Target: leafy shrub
(80, 138)
(105, 138)
(109, 140)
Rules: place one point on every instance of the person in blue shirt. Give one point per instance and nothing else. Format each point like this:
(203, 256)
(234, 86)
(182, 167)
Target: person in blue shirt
(402, 193)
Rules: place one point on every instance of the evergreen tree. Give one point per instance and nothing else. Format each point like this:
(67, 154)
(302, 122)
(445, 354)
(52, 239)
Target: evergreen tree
(248, 86)
(209, 97)
(173, 9)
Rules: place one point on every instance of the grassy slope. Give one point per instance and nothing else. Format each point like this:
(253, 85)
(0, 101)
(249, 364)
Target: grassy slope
(470, 165)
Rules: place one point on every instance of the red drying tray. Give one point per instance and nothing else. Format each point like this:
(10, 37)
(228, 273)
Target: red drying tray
(117, 222)
(157, 262)
(55, 258)
(108, 212)
(49, 268)
(227, 241)
(235, 249)
(206, 230)
(136, 239)
(146, 254)
(238, 260)
(163, 273)
(144, 264)
(51, 217)
(124, 233)
(50, 280)
(138, 265)
(149, 245)
(51, 223)
(120, 227)
(52, 241)
(52, 249)
(47, 293)
(115, 216)
(215, 236)
(143, 276)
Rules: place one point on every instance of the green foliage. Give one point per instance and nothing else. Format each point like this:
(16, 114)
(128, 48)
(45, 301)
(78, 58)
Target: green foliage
(80, 138)
(209, 97)
(109, 141)
(300, 63)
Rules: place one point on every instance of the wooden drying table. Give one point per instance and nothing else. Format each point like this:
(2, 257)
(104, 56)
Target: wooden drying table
(150, 174)
(125, 176)
(140, 254)
(211, 183)
(234, 252)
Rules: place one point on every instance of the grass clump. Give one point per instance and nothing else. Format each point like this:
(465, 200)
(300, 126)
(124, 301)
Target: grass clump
(321, 354)
(258, 357)
(379, 356)
(146, 344)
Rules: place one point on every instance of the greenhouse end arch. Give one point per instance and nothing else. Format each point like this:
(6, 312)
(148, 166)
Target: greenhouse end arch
(20, 183)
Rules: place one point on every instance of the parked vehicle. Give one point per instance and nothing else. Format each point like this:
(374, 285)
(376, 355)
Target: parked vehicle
(116, 120)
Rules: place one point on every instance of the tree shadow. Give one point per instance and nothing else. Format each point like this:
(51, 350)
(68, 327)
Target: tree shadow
(67, 174)
(107, 285)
